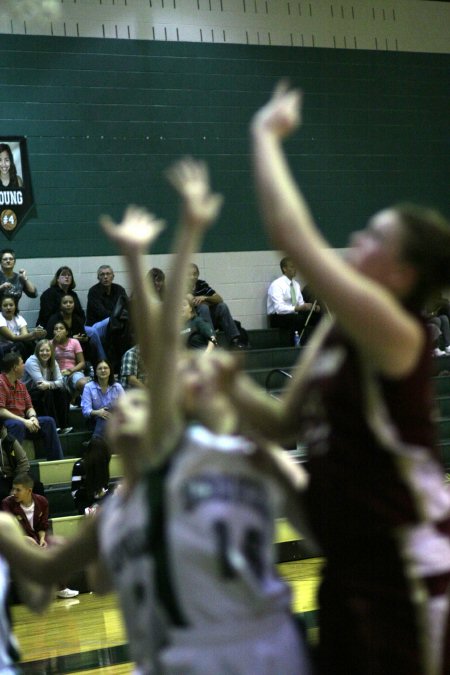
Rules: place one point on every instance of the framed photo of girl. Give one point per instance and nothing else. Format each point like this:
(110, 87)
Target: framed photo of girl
(16, 193)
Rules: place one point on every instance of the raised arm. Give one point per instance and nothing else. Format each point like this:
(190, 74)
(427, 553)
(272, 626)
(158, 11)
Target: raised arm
(388, 335)
(158, 325)
(133, 236)
(199, 208)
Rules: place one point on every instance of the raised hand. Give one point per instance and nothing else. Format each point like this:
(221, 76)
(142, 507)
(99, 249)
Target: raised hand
(191, 180)
(136, 232)
(282, 114)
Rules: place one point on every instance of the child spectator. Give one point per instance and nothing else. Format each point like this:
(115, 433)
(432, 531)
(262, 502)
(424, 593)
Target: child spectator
(14, 333)
(70, 358)
(74, 321)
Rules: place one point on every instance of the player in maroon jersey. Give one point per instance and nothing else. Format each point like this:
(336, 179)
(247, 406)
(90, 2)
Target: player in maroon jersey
(362, 400)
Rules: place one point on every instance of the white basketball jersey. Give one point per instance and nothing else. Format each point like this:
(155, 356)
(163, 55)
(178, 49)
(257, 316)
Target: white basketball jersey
(220, 514)
(191, 552)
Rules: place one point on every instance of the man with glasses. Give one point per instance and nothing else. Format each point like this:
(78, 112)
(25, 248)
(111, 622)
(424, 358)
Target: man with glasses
(14, 283)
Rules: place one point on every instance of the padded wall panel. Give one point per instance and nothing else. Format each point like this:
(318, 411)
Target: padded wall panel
(105, 117)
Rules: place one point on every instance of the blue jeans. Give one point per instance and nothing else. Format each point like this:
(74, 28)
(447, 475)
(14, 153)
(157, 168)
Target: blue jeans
(219, 317)
(96, 334)
(47, 432)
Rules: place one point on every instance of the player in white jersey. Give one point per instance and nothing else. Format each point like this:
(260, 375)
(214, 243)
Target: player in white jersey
(188, 543)
(211, 506)
(190, 550)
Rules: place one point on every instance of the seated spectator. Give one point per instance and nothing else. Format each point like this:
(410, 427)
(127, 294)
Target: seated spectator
(158, 278)
(13, 283)
(70, 358)
(440, 334)
(210, 306)
(286, 307)
(31, 511)
(113, 337)
(309, 296)
(98, 396)
(68, 314)
(107, 317)
(14, 333)
(45, 384)
(74, 323)
(17, 412)
(103, 296)
(438, 305)
(198, 333)
(90, 476)
(62, 283)
(132, 373)
(437, 314)
(13, 461)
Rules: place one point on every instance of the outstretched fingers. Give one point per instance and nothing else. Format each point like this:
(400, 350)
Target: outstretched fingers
(137, 231)
(188, 175)
(190, 178)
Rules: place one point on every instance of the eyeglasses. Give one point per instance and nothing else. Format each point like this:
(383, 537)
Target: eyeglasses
(8, 259)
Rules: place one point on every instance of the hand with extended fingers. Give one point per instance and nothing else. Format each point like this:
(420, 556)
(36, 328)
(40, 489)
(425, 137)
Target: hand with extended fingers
(136, 232)
(282, 114)
(190, 179)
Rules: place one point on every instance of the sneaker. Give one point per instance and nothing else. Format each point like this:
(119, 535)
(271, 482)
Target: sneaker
(236, 344)
(67, 593)
(67, 430)
(447, 349)
(438, 352)
(58, 430)
(72, 406)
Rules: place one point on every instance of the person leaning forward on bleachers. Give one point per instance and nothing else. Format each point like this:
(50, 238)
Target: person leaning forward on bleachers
(210, 307)
(31, 511)
(17, 412)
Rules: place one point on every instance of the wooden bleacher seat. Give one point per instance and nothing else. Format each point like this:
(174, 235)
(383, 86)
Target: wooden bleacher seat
(59, 471)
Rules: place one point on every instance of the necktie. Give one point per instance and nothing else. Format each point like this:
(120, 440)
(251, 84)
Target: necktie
(293, 298)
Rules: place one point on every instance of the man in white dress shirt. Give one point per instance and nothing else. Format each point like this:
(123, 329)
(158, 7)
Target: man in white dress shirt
(286, 307)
